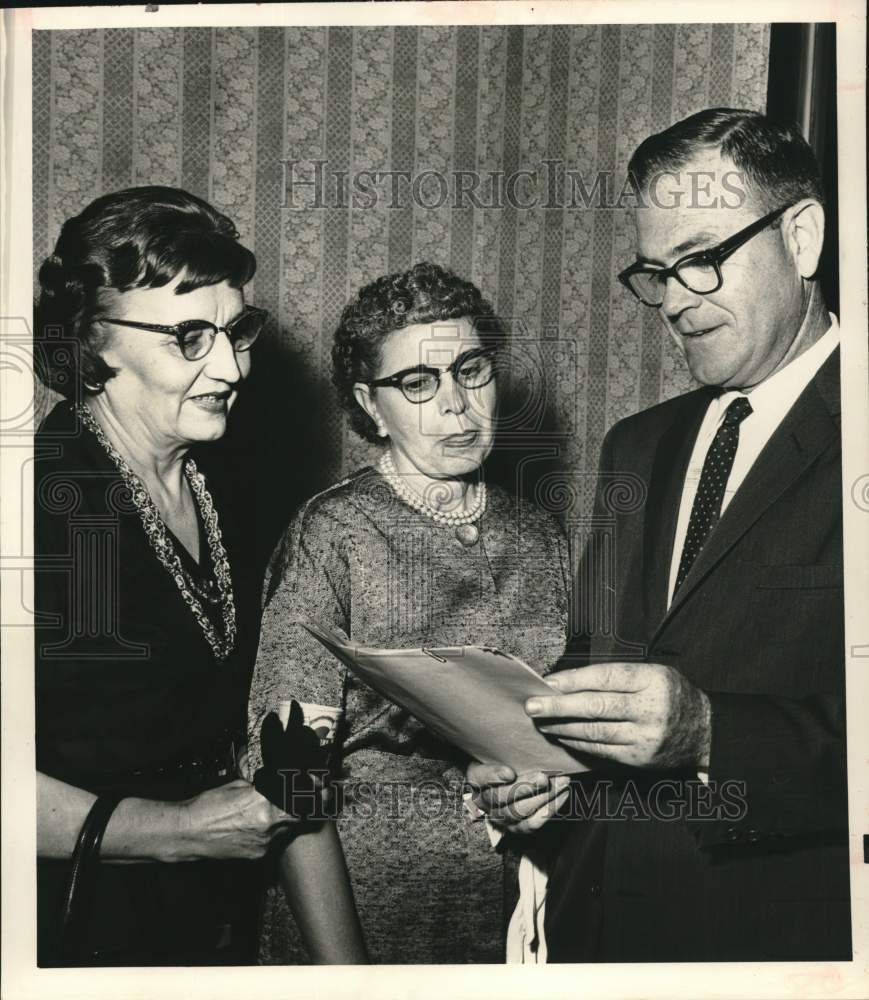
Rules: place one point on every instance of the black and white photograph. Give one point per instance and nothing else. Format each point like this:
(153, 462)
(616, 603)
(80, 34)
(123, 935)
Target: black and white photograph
(435, 464)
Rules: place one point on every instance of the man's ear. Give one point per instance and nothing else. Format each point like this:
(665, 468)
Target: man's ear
(364, 397)
(803, 232)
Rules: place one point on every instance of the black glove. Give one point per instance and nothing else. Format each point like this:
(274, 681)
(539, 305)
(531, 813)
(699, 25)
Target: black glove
(295, 750)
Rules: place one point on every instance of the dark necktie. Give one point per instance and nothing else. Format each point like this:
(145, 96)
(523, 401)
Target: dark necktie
(713, 481)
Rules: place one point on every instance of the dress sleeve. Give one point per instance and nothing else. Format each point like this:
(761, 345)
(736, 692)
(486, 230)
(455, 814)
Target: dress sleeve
(308, 579)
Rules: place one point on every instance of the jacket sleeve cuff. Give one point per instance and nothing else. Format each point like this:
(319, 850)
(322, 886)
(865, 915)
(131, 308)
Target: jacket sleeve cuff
(776, 769)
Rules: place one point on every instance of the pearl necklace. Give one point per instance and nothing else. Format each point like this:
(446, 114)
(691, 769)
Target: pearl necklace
(161, 543)
(463, 521)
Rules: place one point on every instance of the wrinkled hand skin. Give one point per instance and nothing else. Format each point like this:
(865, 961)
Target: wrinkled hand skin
(516, 803)
(638, 714)
(230, 821)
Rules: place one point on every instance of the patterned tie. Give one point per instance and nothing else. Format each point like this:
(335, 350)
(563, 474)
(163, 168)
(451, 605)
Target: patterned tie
(713, 481)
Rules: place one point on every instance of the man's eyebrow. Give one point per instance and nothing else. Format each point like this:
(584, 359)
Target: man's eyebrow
(700, 241)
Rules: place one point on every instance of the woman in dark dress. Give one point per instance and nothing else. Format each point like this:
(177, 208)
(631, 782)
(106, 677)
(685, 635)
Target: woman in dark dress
(147, 615)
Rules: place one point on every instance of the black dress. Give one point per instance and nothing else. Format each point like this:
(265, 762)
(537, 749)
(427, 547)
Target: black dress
(130, 699)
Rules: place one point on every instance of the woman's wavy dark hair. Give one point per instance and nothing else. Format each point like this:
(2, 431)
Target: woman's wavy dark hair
(427, 293)
(141, 237)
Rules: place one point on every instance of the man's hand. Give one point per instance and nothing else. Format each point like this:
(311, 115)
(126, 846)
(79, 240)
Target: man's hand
(640, 714)
(516, 804)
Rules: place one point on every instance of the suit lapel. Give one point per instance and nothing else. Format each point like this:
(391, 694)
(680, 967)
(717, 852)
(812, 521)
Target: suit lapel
(808, 428)
(662, 503)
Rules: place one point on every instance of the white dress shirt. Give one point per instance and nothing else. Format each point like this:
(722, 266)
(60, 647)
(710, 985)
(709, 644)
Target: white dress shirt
(770, 402)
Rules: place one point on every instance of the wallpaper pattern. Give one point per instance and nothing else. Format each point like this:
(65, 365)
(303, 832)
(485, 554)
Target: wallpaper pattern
(470, 146)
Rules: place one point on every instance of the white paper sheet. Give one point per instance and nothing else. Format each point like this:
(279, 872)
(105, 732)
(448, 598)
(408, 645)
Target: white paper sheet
(471, 696)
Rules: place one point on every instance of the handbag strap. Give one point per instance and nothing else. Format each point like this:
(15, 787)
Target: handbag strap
(84, 857)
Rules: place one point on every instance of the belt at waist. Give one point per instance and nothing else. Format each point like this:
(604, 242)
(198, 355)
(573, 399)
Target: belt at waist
(178, 778)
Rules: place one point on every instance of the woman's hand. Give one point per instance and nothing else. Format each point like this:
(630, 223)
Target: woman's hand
(232, 821)
(516, 803)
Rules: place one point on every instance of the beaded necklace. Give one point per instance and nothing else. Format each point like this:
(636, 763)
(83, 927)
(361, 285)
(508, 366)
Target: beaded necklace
(161, 543)
(463, 521)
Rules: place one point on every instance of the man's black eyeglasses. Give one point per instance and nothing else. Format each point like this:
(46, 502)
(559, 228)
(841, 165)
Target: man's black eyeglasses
(196, 336)
(471, 370)
(699, 272)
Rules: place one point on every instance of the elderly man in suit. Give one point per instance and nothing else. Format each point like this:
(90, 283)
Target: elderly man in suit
(713, 824)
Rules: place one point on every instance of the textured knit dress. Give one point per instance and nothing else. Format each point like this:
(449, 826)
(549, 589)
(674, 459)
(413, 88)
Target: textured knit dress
(428, 885)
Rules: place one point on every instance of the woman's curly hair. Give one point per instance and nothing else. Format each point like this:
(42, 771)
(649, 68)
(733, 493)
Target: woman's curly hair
(427, 293)
(141, 237)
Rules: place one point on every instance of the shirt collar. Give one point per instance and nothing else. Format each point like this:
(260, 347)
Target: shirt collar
(779, 392)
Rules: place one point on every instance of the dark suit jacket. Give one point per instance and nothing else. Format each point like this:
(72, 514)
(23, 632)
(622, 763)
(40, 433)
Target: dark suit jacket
(758, 625)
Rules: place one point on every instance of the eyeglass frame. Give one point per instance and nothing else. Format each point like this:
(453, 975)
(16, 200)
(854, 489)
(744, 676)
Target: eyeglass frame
(713, 255)
(178, 329)
(394, 381)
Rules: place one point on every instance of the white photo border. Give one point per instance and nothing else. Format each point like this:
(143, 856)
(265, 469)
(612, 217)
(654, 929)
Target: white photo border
(762, 980)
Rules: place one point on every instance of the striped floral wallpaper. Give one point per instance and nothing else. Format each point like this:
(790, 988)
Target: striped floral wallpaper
(223, 112)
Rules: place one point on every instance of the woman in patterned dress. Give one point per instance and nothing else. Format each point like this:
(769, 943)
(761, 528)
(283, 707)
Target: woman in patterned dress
(417, 551)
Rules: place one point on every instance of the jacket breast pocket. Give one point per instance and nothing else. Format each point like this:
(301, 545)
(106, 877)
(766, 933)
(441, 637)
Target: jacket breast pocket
(818, 577)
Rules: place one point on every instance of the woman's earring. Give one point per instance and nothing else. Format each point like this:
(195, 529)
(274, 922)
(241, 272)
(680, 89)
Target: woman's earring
(94, 387)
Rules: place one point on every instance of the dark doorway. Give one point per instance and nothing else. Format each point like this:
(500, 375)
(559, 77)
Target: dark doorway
(802, 88)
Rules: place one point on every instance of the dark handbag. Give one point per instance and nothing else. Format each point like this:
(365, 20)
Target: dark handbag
(85, 857)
